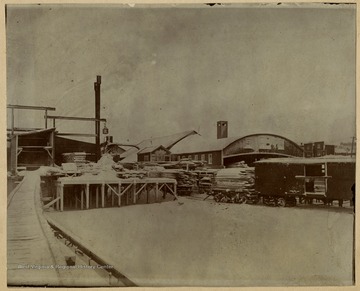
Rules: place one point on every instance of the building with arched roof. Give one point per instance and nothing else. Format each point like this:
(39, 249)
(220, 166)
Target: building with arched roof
(228, 151)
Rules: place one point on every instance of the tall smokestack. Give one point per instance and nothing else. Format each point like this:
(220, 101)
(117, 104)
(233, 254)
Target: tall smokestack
(222, 129)
(97, 85)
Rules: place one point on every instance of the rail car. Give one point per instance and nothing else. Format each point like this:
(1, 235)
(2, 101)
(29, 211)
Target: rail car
(288, 181)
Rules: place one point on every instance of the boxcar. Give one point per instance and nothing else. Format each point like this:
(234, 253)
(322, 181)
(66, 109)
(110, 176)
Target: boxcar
(286, 181)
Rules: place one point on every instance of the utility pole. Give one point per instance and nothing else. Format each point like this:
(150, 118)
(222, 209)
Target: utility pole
(97, 116)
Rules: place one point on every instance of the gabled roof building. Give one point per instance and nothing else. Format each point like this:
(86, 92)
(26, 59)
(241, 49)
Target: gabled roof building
(167, 142)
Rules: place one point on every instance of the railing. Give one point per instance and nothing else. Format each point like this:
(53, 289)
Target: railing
(15, 107)
(75, 118)
(46, 117)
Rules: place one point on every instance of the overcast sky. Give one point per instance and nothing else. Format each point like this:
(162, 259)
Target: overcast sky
(289, 71)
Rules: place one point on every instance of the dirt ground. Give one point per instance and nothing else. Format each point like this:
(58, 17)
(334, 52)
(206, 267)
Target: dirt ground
(203, 243)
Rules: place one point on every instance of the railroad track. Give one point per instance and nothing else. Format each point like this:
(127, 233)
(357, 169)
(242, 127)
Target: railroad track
(92, 258)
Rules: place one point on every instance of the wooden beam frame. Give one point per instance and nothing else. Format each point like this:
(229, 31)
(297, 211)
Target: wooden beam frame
(75, 134)
(30, 107)
(75, 118)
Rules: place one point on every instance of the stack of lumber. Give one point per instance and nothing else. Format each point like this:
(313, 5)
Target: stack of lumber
(236, 178)
(205, 173)
(183, 178)
(128, 174)
(77, 157)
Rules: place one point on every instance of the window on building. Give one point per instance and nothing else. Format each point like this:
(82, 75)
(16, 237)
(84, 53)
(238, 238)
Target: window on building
(203, 157)
(178, 158)
(196, 157)
(210, 159)
(146, 158)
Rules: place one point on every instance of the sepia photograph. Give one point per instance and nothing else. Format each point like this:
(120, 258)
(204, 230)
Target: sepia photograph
(180, 145)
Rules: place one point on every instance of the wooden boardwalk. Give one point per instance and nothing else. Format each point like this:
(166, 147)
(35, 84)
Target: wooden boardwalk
(28, 248)
(35, 257)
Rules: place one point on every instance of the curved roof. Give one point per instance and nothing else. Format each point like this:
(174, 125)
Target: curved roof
(198, 143)
(271, 134)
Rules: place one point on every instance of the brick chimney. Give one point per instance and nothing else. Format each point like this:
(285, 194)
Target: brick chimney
(222, 129)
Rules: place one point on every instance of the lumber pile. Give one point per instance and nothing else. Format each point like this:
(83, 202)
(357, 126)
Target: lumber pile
(76, 157)
(186, 180)
(128, 174)
(236, 178)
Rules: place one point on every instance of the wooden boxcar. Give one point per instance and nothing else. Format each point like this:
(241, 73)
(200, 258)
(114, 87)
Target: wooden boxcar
(286, 181)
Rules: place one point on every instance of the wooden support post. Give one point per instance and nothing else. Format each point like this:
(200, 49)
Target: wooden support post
(127, 196)
(12, 120)
(112, 197)
(156, 192)
(82, 198)
(46, 114)
(57, 196)
(119, 191)
(134, 192)
(61, 197)
(103, 195)
(87, 196)
(147, 194)
(97, 196)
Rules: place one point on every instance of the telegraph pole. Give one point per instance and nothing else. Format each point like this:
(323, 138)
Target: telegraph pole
(97, 116)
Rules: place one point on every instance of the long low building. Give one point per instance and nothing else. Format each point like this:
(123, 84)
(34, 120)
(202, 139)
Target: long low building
(227, 151)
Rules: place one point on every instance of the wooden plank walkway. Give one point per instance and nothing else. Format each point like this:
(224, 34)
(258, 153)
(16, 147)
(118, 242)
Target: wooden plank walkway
(28, 249)
(35, 257)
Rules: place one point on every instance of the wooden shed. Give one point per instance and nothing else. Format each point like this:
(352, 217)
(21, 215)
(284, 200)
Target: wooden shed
(154, 154)
(31, 150)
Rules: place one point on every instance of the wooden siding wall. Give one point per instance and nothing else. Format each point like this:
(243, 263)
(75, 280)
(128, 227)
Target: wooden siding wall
(216, 157)
(141, 157)
(64, 145)
(342, 178)
(269, 179)
(276, 179)
(32, 154)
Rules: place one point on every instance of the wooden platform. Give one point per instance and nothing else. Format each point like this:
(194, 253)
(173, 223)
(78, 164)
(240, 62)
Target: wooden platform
(97, 187)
